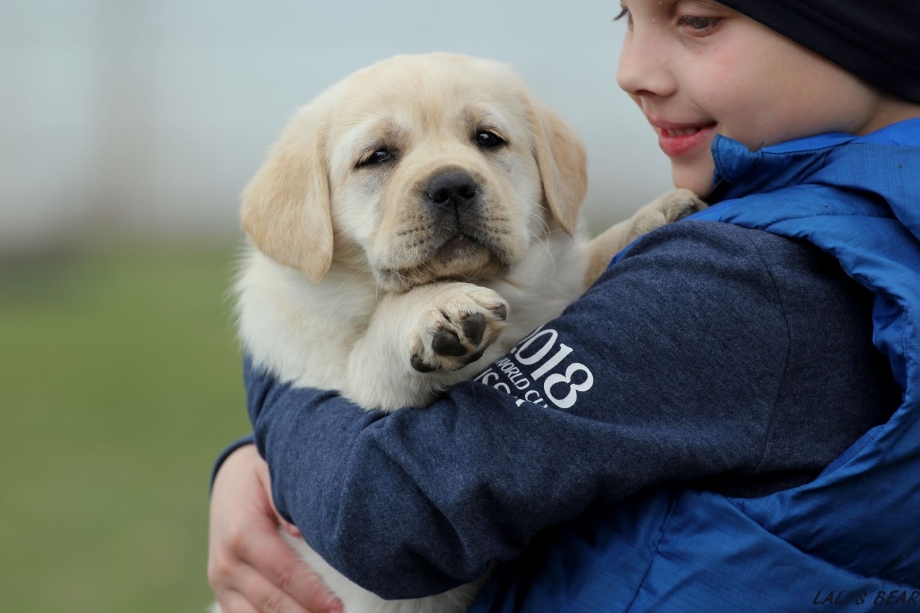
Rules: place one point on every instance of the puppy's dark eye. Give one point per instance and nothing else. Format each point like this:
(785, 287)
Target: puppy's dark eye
(377, 157)
(488, 140)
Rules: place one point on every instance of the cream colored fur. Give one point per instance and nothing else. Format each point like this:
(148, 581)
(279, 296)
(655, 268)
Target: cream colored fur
(349, 277)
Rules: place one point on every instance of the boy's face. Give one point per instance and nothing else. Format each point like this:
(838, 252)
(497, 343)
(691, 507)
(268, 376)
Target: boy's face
(697, 68)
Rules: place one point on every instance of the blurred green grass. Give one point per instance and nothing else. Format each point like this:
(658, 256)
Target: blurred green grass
(119, 385)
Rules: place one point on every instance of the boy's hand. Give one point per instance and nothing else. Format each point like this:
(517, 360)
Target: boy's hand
(250, 567)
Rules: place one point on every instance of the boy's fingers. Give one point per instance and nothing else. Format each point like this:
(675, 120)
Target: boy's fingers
(248, 556)
(243, 589)
(274, 560)
(259, 596)
(233, 602)
(268, 598)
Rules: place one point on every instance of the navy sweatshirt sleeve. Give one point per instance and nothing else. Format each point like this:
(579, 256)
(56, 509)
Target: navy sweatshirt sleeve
(670, 369)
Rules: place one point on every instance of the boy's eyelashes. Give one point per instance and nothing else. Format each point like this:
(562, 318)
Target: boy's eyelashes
(625, 12)
(699, 25)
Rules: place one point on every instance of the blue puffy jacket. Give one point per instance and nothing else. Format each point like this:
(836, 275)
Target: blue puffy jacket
(850, 539)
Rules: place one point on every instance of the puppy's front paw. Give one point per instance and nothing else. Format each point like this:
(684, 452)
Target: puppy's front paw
(461, 323)
(674, 205)
(679, 203)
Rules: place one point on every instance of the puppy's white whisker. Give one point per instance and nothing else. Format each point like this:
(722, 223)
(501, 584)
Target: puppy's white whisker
(542, 237)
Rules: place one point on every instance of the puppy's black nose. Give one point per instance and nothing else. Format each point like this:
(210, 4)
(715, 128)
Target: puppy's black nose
(454, 188)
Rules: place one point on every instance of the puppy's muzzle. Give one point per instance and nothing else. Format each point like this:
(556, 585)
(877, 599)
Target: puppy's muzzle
(452, 191)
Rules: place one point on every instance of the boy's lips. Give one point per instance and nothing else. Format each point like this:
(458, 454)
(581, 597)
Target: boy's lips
(676, 139)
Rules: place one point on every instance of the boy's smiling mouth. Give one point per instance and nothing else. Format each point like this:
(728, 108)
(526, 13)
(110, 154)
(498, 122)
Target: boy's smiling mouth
(676, 139)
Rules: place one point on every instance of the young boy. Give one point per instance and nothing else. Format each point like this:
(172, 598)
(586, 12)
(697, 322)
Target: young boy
(750, 438)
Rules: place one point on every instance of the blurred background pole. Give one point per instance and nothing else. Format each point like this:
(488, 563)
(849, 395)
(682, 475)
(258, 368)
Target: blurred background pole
(124, 124)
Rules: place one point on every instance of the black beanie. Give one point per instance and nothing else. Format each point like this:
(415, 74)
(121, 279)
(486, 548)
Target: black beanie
(877, 40)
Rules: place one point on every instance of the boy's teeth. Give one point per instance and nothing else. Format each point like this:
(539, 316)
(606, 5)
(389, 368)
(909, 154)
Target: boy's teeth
(686, 132)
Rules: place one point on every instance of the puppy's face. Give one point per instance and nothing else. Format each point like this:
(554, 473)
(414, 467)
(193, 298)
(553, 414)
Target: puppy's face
(420, 167)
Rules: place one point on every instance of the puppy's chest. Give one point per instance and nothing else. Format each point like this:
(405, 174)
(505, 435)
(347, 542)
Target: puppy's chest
(333, 332)
(321, 359)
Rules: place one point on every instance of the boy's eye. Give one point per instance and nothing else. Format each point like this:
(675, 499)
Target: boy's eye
(699, 24)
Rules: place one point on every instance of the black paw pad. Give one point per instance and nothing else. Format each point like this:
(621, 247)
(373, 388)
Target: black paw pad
(474, 328)
(420, 365)
(445, 342)
(501, 311)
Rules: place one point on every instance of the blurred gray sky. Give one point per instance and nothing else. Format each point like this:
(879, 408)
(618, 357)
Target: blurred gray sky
(127, 120)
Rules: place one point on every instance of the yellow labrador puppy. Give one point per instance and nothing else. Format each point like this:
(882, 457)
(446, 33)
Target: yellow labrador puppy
(411, 225)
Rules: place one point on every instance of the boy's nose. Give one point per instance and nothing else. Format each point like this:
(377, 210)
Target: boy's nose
(644, 68)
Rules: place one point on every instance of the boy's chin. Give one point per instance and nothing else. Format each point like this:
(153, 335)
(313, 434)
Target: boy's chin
(697, 178)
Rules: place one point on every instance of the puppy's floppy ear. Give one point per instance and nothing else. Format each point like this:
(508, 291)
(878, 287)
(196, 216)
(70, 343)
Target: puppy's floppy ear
(563, 165)
(286, 207)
